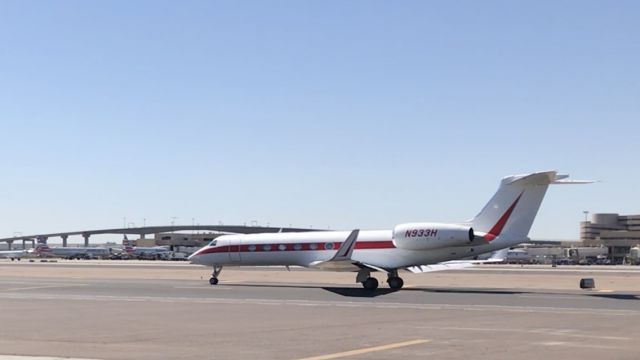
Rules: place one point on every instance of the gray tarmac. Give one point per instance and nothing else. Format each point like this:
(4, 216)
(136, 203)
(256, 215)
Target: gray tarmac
(137, 310)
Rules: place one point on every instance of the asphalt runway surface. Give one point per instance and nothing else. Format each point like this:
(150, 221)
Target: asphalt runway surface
(137, 310)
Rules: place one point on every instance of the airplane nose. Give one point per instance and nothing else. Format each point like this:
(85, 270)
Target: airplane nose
(194, 258)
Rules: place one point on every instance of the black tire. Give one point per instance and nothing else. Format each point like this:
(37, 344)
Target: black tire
(395, 282)
(370, 284)
(213, 281)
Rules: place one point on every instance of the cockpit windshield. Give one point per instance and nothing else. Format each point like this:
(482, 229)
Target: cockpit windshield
(213, 243)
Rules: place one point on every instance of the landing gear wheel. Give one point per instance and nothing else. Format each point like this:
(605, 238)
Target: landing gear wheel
(214, 276)
(370, 284)
(395, 282)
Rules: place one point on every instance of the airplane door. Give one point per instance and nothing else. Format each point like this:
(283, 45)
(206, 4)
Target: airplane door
(234, 252)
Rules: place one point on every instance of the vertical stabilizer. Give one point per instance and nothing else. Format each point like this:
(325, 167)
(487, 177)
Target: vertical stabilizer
(512, 209)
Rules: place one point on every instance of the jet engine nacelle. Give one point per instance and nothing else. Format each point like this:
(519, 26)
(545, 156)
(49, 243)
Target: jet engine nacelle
(425, 236)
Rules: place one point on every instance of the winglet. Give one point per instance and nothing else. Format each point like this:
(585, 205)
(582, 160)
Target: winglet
(346, 249)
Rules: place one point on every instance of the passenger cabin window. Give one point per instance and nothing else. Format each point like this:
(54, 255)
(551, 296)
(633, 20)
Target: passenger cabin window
(252, 248)
(328, 246)
(266, 247)
(282, 247)
(313, 246)
(297, 247)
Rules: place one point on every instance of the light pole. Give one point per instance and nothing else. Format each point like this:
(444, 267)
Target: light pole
(586, 214)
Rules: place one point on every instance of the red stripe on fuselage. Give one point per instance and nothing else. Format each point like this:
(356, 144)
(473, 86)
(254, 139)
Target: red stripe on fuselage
(320, 246)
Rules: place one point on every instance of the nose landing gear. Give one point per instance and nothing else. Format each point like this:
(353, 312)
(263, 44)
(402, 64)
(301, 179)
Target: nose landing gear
(214, 275)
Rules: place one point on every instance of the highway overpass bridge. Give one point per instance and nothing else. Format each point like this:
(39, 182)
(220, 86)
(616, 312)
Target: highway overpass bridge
(143, 231)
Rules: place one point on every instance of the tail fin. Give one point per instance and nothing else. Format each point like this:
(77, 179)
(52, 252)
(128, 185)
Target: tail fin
(42, 249)
(126, 244)
(512, 209)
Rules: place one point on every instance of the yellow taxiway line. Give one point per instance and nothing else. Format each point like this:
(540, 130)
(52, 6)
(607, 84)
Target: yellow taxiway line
(367, 350)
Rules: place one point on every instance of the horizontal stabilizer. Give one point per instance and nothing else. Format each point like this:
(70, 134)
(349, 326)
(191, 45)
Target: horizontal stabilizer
(572, 182)
(562, 179)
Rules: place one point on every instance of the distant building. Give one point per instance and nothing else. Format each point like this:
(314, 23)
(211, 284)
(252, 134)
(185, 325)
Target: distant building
(185, 239)
(619, 233)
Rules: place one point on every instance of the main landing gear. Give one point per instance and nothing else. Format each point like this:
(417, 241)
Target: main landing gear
(395, 282)
(214, 275)
(370, 283)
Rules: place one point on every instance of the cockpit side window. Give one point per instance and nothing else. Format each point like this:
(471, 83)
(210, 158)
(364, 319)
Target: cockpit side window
(213, 243)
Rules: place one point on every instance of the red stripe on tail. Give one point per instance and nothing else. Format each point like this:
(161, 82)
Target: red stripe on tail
(497, 228)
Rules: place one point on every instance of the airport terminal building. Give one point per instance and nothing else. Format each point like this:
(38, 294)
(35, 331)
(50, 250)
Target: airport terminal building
(619, 233)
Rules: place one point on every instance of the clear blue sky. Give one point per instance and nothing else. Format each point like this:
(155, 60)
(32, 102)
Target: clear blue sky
(338, 114)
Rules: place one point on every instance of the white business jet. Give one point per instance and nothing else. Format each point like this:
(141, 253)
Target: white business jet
(504, 221)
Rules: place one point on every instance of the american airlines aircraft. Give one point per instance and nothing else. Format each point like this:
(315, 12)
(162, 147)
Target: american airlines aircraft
(504, 221)
(13, 254)
(44, 250)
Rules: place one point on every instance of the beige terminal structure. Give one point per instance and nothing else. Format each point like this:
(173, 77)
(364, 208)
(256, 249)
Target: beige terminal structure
(619, 233)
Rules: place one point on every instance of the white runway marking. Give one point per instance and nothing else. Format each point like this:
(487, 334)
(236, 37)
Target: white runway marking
(545, 331)
(44, 287)
(581, 345)
(575, 297)
(550, 269)
(354, 304)
(217, 287)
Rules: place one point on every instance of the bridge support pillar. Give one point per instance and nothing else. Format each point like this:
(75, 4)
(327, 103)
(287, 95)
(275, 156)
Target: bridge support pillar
(86, 239)
(10, 244)
(64, 240)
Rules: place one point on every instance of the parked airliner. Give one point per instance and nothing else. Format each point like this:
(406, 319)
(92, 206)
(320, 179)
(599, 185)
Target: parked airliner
(417, 247)
(13, 254)
(43, 250)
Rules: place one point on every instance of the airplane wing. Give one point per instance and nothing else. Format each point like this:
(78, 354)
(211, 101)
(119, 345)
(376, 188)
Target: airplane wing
(496, 257)
(342, 261)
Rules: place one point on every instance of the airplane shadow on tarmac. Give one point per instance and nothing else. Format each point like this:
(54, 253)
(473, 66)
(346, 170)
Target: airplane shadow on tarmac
(363, 293)
(344, 291)
(617, 296)
(357, 292)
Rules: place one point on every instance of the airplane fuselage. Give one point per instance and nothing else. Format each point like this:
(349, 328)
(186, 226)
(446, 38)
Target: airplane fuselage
(305, 248)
